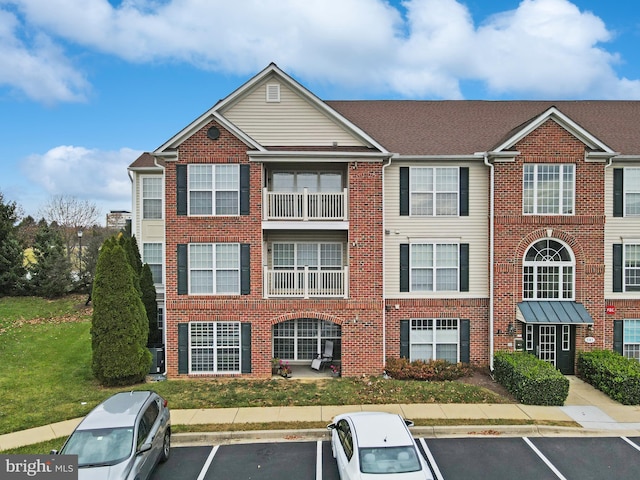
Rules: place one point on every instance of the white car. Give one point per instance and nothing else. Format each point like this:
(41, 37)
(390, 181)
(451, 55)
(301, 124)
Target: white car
(376, 445)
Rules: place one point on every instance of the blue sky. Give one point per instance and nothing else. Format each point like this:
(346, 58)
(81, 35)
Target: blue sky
(83, 91)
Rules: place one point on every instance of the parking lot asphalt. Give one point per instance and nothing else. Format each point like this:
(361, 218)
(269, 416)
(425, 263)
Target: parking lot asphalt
(593, 413)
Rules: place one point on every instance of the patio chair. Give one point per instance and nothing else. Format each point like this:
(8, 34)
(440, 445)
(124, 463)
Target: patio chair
(324, 358)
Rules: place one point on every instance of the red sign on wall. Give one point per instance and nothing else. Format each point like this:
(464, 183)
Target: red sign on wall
(611, 309)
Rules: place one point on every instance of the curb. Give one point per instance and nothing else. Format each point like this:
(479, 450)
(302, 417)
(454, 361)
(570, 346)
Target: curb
(320, 434)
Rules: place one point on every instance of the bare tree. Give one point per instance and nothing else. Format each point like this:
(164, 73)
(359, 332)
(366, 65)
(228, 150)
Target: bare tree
(71, 215)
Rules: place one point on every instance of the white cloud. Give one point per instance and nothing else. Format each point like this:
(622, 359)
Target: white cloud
(37, 66)
(99, 176)
(425, 48)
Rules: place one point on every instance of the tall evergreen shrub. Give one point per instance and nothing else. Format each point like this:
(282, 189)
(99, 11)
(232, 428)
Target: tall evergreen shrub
(120, 326)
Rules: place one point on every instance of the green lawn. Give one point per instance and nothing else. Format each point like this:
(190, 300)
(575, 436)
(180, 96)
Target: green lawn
(45, 353)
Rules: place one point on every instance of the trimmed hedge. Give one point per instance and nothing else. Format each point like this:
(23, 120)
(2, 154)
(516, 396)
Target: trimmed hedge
(433, 370)
(611, 373)
(531, 380)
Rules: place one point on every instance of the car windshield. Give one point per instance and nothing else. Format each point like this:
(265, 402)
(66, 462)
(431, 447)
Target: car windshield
(105, 446)
(389, 460)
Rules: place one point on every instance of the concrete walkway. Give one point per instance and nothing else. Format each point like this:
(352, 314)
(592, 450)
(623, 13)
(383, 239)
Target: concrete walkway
(596, 414)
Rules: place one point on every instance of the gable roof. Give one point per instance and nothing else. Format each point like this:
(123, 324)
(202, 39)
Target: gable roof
(464, 127)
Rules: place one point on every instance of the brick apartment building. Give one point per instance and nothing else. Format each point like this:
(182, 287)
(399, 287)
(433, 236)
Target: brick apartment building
(426, 229)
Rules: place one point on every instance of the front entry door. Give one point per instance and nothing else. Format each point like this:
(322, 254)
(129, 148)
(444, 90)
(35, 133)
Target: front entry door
(554, 344)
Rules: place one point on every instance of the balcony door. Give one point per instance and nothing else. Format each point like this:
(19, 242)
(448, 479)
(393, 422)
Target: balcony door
(315, 182)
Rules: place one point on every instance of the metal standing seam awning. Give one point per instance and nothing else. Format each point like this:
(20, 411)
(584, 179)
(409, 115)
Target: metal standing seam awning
(553, 312)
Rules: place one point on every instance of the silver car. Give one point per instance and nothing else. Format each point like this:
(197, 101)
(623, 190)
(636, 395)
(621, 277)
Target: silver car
(122, 438)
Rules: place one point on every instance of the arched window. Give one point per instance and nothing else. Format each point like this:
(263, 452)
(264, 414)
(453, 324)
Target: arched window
(548, 271)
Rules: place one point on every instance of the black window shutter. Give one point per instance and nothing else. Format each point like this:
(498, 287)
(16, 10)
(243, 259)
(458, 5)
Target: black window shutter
(617, 336)
(183, 275)
(245, 338)
(183, 348)
(618, 198)
(244, 189)
(181, 194)
(464, 267)
(404, 339)
(617, 267)
(404, 191)
(465, 340)
(245, 269)
(404, 267)
(464, 191)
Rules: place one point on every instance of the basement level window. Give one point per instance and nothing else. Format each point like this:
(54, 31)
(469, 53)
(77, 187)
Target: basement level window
(273, 92)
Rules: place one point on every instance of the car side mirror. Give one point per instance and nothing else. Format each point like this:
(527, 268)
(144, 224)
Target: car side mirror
(145, 447)
(409, 423)
(53, 452)
(331, 426)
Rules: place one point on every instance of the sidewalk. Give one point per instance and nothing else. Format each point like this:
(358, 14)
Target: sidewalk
(590, 409)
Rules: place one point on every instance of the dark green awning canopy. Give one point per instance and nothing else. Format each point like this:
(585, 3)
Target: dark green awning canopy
(553, 312)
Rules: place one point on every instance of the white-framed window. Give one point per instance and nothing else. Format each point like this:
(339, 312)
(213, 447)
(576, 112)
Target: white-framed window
(214, 347)
(434, 191)
(529, 336)
(152, 197)
(548, 189)
(314, 181)
(152, 255)
(632, 191)
(214, 269)
(303, 338)
(548, 271)
(631, 339)
(566, 338)
(214, 189)
(434, 339)
(631, 267)
(322, 256)
(434, 267)
(160, 316)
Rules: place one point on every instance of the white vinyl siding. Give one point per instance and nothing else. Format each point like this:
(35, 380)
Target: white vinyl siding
(472, 229)
(292, 121)
(617, 230)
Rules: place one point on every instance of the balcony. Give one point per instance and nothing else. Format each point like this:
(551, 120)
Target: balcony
(305, 206)
(306, 283)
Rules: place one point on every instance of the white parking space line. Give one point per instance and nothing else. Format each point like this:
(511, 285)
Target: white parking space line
(544, 459)
(319, 460)
(432, 461)
(637, 447)
(203, 472)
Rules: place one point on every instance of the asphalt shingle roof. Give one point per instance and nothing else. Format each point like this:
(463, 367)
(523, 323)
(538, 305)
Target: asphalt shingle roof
(464, 127)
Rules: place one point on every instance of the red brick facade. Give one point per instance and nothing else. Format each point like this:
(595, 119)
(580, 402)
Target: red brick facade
(360, 316)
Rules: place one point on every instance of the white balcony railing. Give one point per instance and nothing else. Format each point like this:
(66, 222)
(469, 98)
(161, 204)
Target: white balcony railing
(306, 283)
(305, 205)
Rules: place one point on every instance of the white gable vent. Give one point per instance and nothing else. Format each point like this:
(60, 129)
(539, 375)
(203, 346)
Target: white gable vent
(273, 92)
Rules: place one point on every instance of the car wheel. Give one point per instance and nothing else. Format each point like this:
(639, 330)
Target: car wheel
(166, 447)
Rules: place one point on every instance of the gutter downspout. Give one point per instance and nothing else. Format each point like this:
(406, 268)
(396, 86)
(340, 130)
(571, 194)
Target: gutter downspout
(384, 299)
(604, 327)
(491, 255)
(164, 265)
